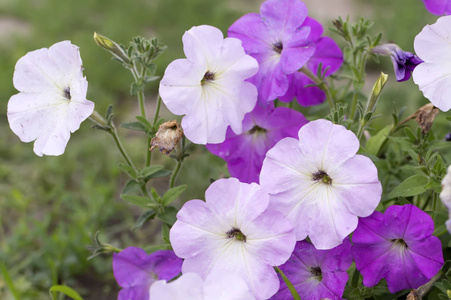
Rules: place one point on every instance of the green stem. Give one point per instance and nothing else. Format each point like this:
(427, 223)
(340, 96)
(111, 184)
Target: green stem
(442, 233)
(121, 148)
(290, 286)
(175, 173)
(321, 84)
(155, 120)
(355, 98)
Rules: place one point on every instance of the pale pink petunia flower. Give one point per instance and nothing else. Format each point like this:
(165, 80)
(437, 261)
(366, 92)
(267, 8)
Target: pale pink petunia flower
(320, 184)
(52, 100)
(209, 86)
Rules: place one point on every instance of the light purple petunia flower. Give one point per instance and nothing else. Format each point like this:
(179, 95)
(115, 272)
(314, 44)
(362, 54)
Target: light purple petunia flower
(320, 184)
(397, 246)
(433, 78)
(403, 62)
(316, 274)
(438, 7)
(262, 129)
(279, 42)
(234, 230)
(52, 100)
(208, 86)
(220, 285)
(328, 54)
(135, 271)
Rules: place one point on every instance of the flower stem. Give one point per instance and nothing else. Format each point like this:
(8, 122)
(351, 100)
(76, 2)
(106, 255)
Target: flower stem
(290, 286)
(420, 292)
(121, 148)
(321, 84)
(155, 120)
(175, 173)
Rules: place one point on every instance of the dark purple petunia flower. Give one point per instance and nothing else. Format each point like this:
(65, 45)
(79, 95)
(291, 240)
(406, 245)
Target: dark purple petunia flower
(316, 274)
(326, 53)
(438, 7)
(280, 43)
(397, 246)
(262, 129)
(403, 62)
(135, 271)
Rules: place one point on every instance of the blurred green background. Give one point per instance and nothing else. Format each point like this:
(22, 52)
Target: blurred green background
(49, 205)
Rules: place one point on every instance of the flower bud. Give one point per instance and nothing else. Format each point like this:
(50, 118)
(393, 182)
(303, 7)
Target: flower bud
(112, 47)
(376, 92)
(167, 137)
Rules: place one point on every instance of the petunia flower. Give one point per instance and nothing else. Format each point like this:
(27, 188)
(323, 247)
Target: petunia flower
(234, 231)
(328, 54)
(403, 62)
(316, 274)
(438, 7)
(320, 184)
(433, 76)
(398, 246)
(279, 42)
(208, 86)
(52, 100)
(445, 196)
(262, 129)
(135, 271)
(219, 285)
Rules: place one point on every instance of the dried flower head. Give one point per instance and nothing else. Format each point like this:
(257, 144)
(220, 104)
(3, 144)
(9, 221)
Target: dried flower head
(425, 116)
(167, 137)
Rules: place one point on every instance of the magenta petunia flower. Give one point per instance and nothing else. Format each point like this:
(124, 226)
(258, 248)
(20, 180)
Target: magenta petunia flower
(220, 285)
(320, 184)
(262, 129)
(438, 7)
(403, 62)
(433, 78)
(234, 231)
(326, 53)
(208, 86)
(397, 246)
(316, 274)
(279, 42)
(52, 100)
(135, 271)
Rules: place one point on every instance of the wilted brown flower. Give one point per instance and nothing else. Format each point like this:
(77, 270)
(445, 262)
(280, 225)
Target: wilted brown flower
(425, 116)
(167, 137)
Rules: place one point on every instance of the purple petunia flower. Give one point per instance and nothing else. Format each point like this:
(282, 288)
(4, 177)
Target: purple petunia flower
(397, 246)
(278, 41)
(234, 231)
(316, 274)
(320, 184)
(403, 62)
(262, 129)
(326, 53)
(438, 7)
(135, 271)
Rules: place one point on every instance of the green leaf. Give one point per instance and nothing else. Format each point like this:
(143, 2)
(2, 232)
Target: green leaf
(147, 172)
(131, 187)
(144, 217)
(169, 215)
(127, 169)
(154, 248)
(136, 200)
(375, 142)
(409, 133)
(165, 233)
(414, 185)
(172, 194)
(66, 291)
(144, 121)
(136, 88)
(161, 173)
(134, 126)
(9, 282)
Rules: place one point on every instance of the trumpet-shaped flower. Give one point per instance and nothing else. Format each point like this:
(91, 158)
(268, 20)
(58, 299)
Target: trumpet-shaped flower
(234, 231)
(316, 274)
(219, 285)
(433, 76)
(135, 271)
(52, 100)
(398, 246)
(262, 129)
(320, 184)
(279, 42)
(328, 54)
(208, 86)
(438, 7)
(445, 196)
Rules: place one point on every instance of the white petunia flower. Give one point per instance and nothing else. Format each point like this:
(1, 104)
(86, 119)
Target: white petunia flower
(52, 100)
(445, 196)
(208, 86)
(433, 45)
